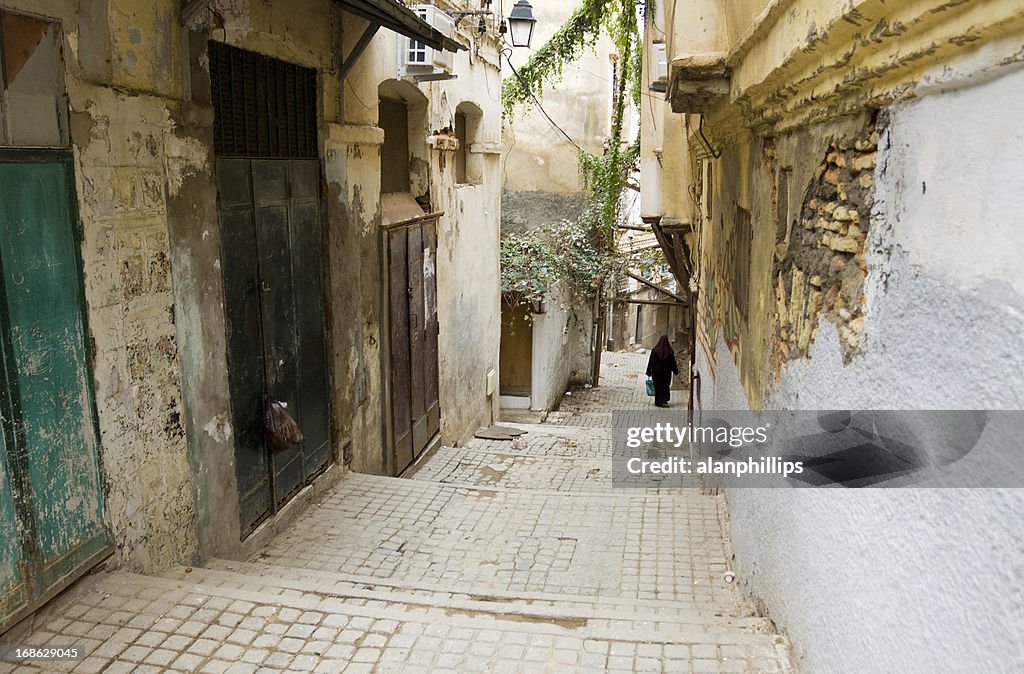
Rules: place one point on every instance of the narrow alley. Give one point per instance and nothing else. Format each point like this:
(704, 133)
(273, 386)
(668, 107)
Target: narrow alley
(489, 559)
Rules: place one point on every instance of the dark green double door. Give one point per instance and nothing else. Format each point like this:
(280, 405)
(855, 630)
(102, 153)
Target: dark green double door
(274, 304)
(51, 513)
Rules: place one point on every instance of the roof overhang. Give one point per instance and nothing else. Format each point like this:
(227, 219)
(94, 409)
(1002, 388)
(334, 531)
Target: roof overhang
(395, 16)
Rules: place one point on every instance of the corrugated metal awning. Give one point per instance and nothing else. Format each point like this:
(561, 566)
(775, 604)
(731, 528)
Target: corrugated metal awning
(393, 15)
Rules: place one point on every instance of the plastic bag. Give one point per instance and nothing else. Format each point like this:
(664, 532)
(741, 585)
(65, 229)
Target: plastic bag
(650, 387)
(282, 431)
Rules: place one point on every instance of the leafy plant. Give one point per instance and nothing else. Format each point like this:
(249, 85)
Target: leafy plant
(604, 176)
(569, 254)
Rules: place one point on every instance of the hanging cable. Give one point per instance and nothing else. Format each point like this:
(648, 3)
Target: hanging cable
(507, 53)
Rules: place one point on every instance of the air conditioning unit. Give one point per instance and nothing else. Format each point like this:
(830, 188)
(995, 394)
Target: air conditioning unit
(659, 66)
(417, 59)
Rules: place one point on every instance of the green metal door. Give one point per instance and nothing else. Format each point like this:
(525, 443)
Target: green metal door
(50, 496)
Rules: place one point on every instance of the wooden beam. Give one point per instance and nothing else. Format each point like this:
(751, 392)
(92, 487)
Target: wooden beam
(660, 303)
(358, 49)
(661, 289)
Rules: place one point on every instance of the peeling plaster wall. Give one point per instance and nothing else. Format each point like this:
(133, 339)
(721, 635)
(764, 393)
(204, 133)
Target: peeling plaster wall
(910, 580)
(122, 72)
(124, 181)
(469, 312)
(468, 279)
(905, 119)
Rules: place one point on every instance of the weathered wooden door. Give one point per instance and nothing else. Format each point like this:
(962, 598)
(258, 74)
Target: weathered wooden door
(274, 302)
(516, 352)
(412, 311)
(51, 513)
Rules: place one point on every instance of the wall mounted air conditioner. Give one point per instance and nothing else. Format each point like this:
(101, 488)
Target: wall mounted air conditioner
(419, 61)
(659, 66)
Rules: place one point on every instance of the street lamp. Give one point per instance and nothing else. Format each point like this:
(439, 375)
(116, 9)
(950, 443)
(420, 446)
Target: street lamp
(521, 23)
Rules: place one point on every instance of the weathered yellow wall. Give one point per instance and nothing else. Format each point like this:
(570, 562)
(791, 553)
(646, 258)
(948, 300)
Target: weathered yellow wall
(142, 132)
(123, 74)
(804, 73)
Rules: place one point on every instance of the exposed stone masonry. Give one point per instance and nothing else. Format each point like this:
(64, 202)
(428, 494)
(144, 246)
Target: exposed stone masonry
(820, 269)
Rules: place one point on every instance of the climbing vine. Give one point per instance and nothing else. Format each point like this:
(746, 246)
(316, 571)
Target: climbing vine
(605, 176)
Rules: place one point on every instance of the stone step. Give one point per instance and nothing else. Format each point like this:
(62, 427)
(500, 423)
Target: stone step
(242, 581)
(609, 614)
(535, 471)
(206, 620)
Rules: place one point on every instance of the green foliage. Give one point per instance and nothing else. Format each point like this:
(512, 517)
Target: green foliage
(605, 176)
(570, 254)
(559, 254)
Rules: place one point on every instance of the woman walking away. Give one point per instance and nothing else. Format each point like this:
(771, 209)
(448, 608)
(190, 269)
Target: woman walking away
(660, 368)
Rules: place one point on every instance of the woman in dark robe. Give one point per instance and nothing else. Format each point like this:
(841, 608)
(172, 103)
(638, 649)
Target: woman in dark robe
(660, 368)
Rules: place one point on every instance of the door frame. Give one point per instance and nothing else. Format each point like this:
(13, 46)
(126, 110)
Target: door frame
(18, 459)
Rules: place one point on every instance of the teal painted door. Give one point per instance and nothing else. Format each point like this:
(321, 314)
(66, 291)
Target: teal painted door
(50, 495)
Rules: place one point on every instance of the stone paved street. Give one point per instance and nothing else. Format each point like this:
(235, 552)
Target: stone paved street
(486, 559)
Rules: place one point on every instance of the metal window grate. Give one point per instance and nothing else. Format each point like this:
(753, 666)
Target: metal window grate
(263, 107)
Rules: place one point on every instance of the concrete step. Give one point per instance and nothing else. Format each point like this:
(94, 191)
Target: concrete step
(323, 592)
(611, 615)
(210, 620)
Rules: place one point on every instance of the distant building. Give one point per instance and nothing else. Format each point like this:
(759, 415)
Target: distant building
(542, 353)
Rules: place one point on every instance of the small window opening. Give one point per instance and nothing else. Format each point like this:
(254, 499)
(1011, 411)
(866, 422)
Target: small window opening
(460, 154)
(394, 161)
(469, 168)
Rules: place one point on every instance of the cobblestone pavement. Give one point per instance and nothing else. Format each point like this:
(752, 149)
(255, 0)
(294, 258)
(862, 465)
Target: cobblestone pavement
(622, 388)
(488, 560)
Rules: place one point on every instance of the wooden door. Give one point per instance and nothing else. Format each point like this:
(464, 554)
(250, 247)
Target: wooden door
(413, 330)
(51, 506)
(516, 354)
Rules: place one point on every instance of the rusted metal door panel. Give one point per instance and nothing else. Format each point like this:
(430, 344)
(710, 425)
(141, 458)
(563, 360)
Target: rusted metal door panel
(273, 280)
(431, 329)
(417, 330)
(51, 440)
(401, 411)
(277, 312)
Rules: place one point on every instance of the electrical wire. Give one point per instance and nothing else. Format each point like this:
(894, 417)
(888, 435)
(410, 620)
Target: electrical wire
(529, 90)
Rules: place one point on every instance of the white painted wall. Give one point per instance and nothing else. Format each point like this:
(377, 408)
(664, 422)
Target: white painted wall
(538, 157)
(551, 351)
(910, 580)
